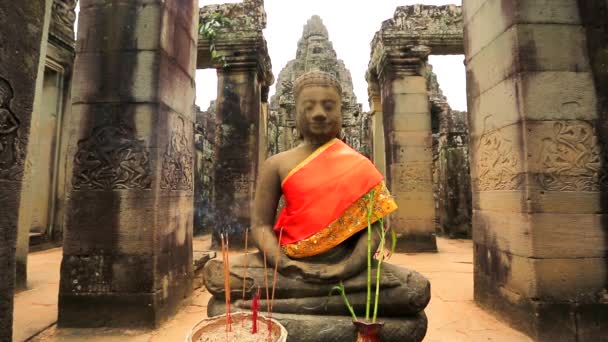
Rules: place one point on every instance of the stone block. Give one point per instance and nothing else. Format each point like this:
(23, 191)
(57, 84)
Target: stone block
(178, 42)
(513, 276)
(412, 122)
(486, 20)
(534, 96)
(131, 78)
(409, 85)
(131, 232)
(142, 33)
(540, 235)
(542, 201)
(175, 86)
(512, 201)
(411, 176)
(405, 154)
(415, 205)
(570, 279)
(420, 139)
(527, 47)
(557, 96)
(411, 103)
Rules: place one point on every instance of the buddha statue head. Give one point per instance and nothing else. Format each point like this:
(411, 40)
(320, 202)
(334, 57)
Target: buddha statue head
(318, 97)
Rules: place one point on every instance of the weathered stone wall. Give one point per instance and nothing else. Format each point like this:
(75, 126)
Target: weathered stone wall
(538, 169)
(315, 52)
(20, 51)
(453, 175)
(204, 142)
(127, 255)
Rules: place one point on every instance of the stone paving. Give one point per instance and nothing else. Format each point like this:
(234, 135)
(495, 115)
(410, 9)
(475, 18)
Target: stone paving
(453, 316)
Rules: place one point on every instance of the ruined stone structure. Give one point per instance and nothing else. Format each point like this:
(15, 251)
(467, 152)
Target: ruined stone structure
(42, 203)
(127, 254)
(538, 163)
(204, 142)
(451, 175)
(315, 52)
(400, 103)
(243, 82)
(20, 74)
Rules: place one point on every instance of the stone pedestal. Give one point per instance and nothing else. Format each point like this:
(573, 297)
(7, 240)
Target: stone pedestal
(407, 135)
(128, 227)
(20, 51)
(538, 169)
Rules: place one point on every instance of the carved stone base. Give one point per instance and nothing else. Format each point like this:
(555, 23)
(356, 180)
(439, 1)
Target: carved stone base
(309, 328)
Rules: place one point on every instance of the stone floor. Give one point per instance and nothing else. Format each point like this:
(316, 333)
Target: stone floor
(452, 314)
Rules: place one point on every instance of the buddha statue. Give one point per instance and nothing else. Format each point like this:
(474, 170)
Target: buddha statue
(320, 238)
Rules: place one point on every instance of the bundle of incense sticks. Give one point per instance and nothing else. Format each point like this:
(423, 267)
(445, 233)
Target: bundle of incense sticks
(225, 258)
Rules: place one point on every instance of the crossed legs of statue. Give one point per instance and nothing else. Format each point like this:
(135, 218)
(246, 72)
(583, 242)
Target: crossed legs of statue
(404, 292)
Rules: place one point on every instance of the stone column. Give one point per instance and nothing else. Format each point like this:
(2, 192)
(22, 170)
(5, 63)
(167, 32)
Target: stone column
(454, 180)
(539, 228)
(377, 125)
(237, 151)
(127, 257)
(244, 72)
(409, 158)
(20, 51)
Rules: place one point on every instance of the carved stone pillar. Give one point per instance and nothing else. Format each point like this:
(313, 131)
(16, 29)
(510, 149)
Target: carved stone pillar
(453, 176)
(22, 56)
(237, 151)
(127, 256)
(407, 135)
(243, 76)
(538, 171)
(377, 124)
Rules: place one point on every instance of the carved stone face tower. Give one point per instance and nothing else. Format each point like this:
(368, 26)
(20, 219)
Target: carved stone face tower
(315, 52)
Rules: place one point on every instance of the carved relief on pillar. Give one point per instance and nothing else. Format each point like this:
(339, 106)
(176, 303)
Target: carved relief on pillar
(411, 177)
(497, 164)
(12, 152)
(112, 158)
(63, 19)
(177, 170)
(569, 157)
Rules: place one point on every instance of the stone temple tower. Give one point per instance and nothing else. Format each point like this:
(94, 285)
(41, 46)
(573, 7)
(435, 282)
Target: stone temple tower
(315, 52)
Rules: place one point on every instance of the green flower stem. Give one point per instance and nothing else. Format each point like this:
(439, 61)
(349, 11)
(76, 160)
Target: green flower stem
(378, 270)
(368, 300)
(340, 289)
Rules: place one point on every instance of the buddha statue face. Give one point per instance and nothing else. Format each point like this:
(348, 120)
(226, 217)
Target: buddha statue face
(318, 107)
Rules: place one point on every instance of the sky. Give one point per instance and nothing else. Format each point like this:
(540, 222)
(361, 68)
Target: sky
(351, 26)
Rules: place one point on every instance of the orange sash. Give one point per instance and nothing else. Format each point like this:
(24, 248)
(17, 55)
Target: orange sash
(318, 192)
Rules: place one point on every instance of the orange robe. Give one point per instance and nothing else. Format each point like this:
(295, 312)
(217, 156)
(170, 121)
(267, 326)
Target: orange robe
(326, 200)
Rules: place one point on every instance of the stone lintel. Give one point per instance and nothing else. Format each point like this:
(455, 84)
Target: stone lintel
(241, 42)
(398, 61)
